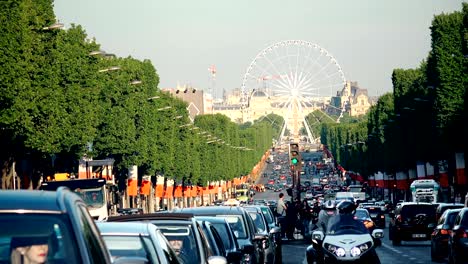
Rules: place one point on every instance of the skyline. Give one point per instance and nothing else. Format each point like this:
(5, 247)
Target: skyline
(184, 38)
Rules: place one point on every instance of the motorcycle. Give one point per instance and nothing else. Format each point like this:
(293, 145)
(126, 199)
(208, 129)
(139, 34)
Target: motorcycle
(347, 245)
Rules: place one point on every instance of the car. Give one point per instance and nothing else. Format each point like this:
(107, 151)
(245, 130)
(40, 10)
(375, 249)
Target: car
(183, 232)
(270, 245)
(59, 219)
(410, 222)
(377, 215)
(142, 240)
(441, 234)
(445, 206)
(458, 240)
(364, 216)
(242, 224)
(215, 241)
(231, 247)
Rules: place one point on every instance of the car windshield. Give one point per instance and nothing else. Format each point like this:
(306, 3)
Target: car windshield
(182, 240)
(54, 231)
(93, 198)
(129, 246)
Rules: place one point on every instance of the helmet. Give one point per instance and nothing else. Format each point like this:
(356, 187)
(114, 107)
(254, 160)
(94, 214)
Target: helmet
(329, 205)
(346, 207)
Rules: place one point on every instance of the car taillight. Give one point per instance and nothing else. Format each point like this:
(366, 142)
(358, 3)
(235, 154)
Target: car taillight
(398, 218)
(445, 232)
(382, 216)
(461, 234)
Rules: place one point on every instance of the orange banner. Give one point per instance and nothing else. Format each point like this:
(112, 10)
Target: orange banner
(168, 192)
(159, 191)
(178, 191)
(132, 187)
(145, 187)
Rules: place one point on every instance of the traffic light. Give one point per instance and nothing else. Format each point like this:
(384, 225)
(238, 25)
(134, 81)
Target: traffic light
(294, 154)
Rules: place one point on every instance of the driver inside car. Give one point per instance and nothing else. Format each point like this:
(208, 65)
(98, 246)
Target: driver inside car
(345, 219)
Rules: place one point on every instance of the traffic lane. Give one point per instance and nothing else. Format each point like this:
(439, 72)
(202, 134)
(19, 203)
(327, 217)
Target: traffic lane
(294, 252)
(408, 252)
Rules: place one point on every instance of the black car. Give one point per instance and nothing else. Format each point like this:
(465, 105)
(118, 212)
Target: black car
(441, 234)
(233, 251)
(376, 215)
(58, 221)
(242, 224)
(410, 221)
(183, 233)
(445, 206)
(458, 241)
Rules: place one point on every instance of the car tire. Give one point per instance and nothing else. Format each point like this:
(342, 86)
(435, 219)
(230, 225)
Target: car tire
(434, 257)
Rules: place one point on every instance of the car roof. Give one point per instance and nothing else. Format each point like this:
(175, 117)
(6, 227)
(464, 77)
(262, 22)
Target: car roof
(154, 216)
(36, 201)
(124, 228)
(223, 210)
(212, 219)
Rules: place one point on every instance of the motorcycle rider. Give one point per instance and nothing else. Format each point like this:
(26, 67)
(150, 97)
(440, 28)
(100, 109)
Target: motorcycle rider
(345, 217)
(328, 211)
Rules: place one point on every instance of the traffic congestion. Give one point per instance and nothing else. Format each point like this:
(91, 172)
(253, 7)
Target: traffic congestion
(331, 220)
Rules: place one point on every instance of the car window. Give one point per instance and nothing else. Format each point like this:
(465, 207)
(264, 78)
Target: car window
(223, 233)
(451, 218)
(236, 223)
(90, 235)
(361, 214)
(442, 218)
(464, 219)
(268, 215)
(130, 246)
(182, 240)
(169, 254)
(218, 240)
(410, 211)
(54, 230)
(258, 221)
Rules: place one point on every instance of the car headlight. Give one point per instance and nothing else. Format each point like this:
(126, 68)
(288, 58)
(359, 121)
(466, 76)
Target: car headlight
(340, 252)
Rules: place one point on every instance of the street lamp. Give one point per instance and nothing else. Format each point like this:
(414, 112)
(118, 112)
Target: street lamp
(154, 97)
(53, 26)
(134, 82)
(164, 108)
(113, 68)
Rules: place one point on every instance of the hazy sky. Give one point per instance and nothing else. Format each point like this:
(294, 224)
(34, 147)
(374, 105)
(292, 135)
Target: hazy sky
(368, 38)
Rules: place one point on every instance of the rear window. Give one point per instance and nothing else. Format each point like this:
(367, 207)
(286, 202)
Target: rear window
(373, 210)
(237, 225)
(361, 214)
(128, 246)
(409, 211)
(182, 240)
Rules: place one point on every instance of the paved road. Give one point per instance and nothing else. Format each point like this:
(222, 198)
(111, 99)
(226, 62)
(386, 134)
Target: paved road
(408, 252)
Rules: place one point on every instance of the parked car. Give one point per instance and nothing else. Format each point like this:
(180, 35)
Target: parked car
(143, 240)
(233, 251)
(241, 223)
(183, 233)
(441, 234)
(212, 236)
(458, 241)
(377, 215)
(445, 206)
(57, 219)
(410, 221)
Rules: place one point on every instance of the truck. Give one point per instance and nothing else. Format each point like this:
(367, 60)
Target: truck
(426, 190)
(100, 198)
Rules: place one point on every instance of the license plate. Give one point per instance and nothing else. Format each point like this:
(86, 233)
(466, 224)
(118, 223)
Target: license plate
(419, 235)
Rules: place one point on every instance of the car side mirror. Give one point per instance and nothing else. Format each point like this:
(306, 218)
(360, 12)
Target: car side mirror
(217, 260)
(131, 260)
(275, 230)
(234, 257)
(378, 233)
(248, 249)
(318, 235)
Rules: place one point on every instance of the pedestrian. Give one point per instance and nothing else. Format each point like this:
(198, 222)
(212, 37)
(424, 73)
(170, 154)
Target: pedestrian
(281, 213)
(29, 249)
(306, 217)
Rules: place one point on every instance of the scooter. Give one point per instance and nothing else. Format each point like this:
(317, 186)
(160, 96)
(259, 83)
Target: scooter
(345, 245)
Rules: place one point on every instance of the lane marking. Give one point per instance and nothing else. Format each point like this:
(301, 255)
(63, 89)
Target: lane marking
(392, 249)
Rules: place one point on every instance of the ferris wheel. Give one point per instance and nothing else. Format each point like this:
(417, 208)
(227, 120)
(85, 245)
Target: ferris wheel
(299, 71)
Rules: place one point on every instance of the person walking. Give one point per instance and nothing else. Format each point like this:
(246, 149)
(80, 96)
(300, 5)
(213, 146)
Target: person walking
(281, 213)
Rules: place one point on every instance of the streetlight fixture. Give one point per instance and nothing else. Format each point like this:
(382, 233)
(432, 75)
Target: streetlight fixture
(135, 82)
(97, 52)
(164, 108)
(154, 97)
(113, 68)
(53, 26)
(178, 117)
(417, 99)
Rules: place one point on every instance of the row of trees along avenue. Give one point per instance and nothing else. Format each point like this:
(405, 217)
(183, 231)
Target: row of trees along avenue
(63, 98)
(421, 129)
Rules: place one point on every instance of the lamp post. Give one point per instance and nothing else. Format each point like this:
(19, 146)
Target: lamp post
(56, 25)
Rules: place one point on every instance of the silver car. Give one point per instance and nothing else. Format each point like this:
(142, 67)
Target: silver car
(137, 239)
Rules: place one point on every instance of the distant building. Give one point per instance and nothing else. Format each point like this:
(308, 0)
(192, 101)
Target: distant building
(199, 102)
(352, 98)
